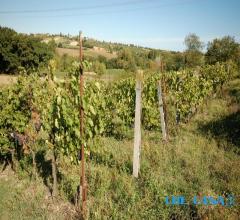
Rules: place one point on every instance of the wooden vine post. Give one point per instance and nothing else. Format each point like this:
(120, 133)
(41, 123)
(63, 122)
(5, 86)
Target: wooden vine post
(162, 103)
(137, 126)
(83, 184)
(161, 109)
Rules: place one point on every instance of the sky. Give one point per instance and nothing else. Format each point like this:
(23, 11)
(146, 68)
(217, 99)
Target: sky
(160, 24)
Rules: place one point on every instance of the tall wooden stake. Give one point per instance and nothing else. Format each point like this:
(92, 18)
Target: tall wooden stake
(164, 92)
(82, 170)
(137, 128)
(162, 117)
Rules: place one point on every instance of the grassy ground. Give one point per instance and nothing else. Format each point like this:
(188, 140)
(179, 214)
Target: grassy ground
(111, 75)
(201, 159)
(7, 79)
(88, 52)
(21, 198)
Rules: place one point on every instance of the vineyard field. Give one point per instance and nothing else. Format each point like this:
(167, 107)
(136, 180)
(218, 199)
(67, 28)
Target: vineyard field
(46, 125)
(114, 192)
(136, 127)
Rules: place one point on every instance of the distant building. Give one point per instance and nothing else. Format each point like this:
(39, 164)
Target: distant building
(98, 48)
(45, 41)
(73, 43)
(57, 39)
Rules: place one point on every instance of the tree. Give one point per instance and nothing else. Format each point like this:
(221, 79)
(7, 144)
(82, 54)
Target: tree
(126, 60)
(64, 61)
(112, 63)
(102, 59)
(193, 54)
(172, 60)
(99, 68)
(193, 43)
(222, 50)
(19, 50)
(152, 54)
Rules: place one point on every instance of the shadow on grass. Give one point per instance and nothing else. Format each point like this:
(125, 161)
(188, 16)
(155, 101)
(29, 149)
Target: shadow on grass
(225, 129)
(45, 172)
(44, 167)
(108, 159)
(235, 92)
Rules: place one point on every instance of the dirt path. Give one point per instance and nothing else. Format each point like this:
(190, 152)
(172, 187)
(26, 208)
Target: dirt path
(7, 79)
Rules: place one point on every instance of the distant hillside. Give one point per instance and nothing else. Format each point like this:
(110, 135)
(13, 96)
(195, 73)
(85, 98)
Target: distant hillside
(128, 56)
(107, 49)
(94, 52)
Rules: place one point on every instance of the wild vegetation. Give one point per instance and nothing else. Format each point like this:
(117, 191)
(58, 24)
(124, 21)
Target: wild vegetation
(22, 51)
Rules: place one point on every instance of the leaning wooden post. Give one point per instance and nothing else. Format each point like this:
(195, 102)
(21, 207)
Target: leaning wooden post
(81, 111)
(162, 117)
(137, 126)
(164, 92)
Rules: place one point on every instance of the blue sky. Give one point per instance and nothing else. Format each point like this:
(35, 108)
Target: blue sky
(159, 24)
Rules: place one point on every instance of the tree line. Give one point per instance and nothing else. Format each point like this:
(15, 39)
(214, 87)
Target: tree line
(20, 50)
(27, 51)
(223, 49)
